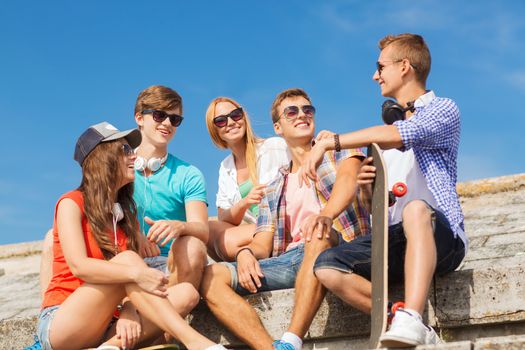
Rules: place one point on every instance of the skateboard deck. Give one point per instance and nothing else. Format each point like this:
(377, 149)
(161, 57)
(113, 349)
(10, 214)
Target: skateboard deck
(163, 346)
(379, 248)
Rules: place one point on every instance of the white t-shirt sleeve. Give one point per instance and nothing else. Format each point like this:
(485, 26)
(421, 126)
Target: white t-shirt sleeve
(223, 200)
(272, 154)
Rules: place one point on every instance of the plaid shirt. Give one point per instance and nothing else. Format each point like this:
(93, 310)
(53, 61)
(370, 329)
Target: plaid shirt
(433, 134)
(352, 222)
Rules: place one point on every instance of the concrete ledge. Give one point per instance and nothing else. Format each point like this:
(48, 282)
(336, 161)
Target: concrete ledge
(17, 333)
(501, 343)
(480, 299)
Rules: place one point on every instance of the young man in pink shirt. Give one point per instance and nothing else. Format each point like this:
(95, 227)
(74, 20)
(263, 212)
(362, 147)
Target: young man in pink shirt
(295, 224)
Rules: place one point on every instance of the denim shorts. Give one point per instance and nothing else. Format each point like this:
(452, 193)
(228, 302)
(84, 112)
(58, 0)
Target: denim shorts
(44, 323)
(356, 256)
(279, 272)
(158, 262)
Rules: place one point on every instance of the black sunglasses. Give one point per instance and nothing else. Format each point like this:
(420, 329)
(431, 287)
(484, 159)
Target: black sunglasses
(222, 120)
(160, 116)
(291, 113)
(128, 151)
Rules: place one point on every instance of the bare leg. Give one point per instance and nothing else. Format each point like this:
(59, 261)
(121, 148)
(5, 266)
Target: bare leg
(96, 303)
(309, 292)
(420, 257)
(226, 239)
(46, 262)
(233, 310)
(186, 260)
(351, 288)
(183, 297)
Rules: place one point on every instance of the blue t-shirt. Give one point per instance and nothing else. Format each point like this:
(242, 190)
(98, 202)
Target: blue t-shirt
(163, 195)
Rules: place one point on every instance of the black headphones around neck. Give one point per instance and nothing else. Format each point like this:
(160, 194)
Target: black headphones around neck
(392, 111)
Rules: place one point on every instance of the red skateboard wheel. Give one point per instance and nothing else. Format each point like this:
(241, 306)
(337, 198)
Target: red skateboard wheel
(399, 189)
(397, 306)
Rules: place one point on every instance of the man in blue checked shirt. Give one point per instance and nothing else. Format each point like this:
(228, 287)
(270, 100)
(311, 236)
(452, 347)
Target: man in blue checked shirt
(426, 232)
(295, 224)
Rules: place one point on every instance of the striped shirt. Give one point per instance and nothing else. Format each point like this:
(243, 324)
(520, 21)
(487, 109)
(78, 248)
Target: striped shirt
(354, 221)
(433, 134)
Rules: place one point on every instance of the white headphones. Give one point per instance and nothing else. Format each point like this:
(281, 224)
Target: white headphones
(118, 214)
(153, 164)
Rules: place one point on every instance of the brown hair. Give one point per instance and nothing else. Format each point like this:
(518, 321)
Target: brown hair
(295, 92)
(158, 97)
(413, 48)
(99, 180)
(250, 138)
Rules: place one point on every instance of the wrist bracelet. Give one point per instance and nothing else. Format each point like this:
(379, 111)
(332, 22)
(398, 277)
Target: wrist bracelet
(240, 250)
(337, 144)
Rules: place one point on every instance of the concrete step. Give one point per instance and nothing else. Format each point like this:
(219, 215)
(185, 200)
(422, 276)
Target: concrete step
(462, 305)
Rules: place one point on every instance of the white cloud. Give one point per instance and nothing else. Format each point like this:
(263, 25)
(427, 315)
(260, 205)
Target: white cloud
(517, 79)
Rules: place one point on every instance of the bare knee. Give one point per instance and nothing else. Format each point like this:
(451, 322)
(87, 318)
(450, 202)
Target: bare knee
(187, 292)
(128, 257)
(316, 246)
(416, 210)
(188, 252)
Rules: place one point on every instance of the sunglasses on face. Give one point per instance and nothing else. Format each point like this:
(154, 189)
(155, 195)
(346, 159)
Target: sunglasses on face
(222, 120)
(160, 116)
(291, 113)
(381, 65)
(128, 151)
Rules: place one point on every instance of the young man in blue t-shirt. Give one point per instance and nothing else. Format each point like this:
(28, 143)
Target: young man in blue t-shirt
(170, 194)
(426, 232)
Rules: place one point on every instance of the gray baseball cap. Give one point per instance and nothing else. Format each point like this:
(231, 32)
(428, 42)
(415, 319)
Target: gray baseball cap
(103, 132)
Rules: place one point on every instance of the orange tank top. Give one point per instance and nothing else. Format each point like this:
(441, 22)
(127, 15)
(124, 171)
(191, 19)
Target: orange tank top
(63, 282)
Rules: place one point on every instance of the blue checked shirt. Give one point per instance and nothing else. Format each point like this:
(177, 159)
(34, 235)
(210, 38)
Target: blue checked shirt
(354, 221)
(433, 135)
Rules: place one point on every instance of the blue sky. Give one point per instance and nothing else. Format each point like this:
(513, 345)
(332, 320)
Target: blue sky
(65, 65)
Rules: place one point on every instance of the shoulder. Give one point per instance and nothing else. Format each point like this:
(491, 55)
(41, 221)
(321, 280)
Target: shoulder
(443, 105)
(76, 196)
(227, 163)
(272, 143)
(182, 170)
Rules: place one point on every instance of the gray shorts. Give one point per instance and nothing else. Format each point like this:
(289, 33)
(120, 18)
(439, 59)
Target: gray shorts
(158, 262)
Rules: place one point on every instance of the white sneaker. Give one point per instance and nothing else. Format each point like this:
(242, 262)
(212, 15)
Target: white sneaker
(407, 331)
(432, 337)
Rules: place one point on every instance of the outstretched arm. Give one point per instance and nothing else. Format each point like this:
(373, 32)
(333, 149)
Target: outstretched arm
(386, 136)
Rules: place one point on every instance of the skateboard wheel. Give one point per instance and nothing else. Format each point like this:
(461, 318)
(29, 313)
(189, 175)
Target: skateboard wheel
(399, 189)
(391, 199)
(397, 306)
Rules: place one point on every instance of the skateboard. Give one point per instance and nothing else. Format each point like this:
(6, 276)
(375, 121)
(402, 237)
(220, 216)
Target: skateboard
(156, 347)
(380, 203)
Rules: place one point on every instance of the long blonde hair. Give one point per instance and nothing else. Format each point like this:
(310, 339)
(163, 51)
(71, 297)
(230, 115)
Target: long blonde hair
(99, 180)
(251, 140)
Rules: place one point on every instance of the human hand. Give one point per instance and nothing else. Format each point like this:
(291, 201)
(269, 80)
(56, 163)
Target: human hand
(308, 170)
(318, 225)
(248, 271)
(147, 248)
(128, 327)
(162, 231)
(367, 172)
(152, 281)
(324, 134)
(254, 196)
